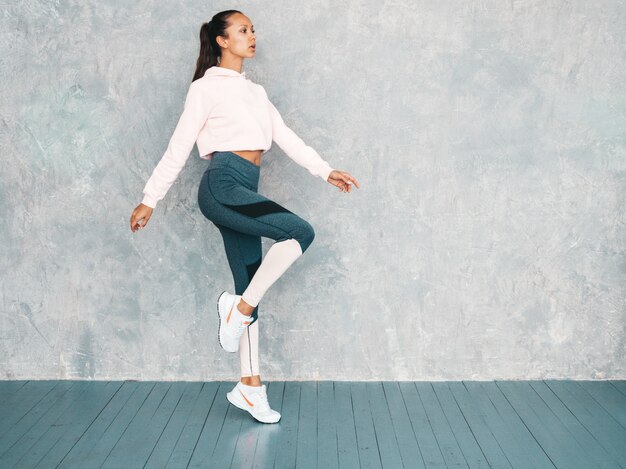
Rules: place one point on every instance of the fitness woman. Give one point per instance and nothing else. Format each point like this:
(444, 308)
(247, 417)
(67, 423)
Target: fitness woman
(225, 111)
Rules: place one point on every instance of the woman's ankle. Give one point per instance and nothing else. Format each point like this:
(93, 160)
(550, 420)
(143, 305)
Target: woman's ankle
(245, 308)
(251, 380)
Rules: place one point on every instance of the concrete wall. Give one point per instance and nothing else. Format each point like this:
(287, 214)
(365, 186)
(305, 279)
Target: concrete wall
(486, 241)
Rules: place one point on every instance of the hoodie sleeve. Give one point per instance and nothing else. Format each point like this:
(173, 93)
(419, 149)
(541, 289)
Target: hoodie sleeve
(194, 116)
(295, 148)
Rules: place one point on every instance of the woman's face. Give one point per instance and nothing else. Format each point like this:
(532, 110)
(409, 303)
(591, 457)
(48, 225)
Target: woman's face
(241, 37)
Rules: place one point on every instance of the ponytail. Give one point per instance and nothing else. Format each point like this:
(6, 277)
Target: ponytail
(210, 51)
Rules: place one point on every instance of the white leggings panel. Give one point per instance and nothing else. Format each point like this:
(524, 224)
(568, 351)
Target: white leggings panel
(277, 260)
(249, 350)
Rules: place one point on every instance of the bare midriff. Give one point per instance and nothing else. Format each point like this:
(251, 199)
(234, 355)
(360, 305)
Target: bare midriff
(254, 156)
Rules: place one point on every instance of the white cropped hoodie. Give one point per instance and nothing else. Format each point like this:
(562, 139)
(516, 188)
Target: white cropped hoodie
(226, 111)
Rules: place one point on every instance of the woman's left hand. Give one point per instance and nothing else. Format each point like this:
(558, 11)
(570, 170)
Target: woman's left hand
(342, 180)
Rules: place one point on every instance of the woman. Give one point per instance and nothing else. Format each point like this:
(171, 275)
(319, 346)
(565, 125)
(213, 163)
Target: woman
(224, 113)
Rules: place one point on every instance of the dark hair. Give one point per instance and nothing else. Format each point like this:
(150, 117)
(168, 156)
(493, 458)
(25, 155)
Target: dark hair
(209, 48)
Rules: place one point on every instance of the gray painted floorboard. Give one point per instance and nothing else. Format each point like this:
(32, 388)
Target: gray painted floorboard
(325, 424)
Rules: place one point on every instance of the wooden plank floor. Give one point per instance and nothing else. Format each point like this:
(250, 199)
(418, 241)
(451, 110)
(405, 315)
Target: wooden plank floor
(325, 424)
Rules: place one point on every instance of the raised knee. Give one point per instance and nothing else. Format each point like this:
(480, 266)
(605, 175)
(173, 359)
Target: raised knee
(306, 236)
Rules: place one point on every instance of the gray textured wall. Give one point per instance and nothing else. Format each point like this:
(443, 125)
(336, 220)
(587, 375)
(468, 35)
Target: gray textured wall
(487, 240)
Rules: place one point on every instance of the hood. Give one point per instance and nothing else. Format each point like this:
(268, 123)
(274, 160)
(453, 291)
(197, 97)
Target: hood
(215, 71)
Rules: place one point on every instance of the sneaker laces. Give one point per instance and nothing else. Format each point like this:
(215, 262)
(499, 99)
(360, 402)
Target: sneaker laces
(242, 325)
(239, 326)
(264, 404)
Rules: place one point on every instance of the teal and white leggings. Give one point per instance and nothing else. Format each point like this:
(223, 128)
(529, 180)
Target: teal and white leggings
(228, 196)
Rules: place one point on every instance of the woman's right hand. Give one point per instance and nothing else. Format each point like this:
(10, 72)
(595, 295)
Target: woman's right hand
(140, 217)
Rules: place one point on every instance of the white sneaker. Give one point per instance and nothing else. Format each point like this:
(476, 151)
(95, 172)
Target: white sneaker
(253, 401)
(232, 321)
